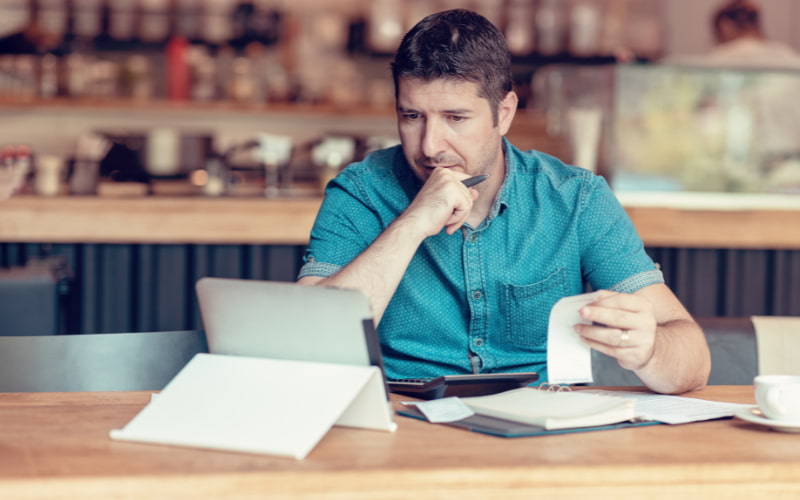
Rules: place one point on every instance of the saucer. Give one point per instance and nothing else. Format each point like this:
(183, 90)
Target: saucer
(754, 415)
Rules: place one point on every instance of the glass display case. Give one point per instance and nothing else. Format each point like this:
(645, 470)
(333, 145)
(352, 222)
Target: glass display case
(680, 128)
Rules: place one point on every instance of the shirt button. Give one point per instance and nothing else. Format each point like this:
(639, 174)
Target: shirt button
(478, 342)
(473, 237)
(477, 294)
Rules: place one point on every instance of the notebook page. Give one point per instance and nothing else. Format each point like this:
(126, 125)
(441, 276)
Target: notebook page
(675, 409)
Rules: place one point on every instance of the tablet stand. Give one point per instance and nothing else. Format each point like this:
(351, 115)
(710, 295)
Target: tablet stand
(259, 405)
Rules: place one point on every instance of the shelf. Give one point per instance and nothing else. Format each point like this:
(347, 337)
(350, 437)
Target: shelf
(529, 130)
(73, 104)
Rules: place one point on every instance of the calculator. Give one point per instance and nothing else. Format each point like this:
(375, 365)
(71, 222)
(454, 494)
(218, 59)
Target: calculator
(477, 384)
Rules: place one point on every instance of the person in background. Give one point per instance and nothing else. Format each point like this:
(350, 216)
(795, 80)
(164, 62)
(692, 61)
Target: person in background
(462, 280)
(741, 42)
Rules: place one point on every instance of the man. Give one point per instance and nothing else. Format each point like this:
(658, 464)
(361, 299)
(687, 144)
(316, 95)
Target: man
(463, 279)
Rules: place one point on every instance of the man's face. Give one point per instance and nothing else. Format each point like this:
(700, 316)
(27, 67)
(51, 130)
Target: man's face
(444, 124)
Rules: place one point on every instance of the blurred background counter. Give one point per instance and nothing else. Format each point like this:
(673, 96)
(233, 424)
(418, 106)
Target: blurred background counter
(158, 220)
(681, 220)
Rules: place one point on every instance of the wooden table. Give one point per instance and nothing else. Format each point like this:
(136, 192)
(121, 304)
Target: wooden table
(56, 445)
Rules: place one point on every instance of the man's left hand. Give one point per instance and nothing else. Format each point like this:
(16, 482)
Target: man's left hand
(623, 326)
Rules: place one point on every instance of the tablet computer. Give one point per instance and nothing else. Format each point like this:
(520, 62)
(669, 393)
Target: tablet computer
(281, 320)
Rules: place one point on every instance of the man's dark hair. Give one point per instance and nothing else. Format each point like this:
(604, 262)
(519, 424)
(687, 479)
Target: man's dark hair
(743, 14)
(458, 45)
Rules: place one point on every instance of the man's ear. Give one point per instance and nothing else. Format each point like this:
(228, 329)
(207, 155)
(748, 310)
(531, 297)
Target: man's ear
(506, 111)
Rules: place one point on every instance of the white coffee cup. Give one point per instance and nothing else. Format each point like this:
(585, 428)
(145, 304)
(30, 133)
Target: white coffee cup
(778, 396)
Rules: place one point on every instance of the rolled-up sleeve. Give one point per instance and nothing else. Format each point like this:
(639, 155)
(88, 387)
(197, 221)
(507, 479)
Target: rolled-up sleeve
(613, 254)
(345, 226)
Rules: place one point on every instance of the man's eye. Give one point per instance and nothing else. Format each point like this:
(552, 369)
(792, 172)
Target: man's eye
(410, 116)
(456, 118)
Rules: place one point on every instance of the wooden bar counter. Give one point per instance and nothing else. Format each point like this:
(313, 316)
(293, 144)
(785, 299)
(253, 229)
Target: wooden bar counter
(56, 445)
(156, 219)
(684, 220)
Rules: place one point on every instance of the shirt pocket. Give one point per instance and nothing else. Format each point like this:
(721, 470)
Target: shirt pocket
(528, 308)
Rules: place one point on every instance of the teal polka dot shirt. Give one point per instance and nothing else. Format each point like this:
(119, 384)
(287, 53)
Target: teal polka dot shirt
(479, 300)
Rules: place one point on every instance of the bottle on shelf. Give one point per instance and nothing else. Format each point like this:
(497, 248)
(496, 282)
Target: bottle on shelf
(177, 68)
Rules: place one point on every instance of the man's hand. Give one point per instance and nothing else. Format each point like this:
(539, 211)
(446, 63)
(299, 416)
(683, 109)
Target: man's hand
(442, 202)
(651, 333)
(623, 326)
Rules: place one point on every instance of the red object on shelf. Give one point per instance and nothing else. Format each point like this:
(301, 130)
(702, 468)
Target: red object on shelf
(177, 69)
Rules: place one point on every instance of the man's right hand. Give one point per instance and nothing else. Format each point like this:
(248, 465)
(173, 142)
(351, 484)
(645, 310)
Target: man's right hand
(443, 201)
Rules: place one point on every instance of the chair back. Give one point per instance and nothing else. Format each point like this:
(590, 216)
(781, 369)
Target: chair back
(143, 361)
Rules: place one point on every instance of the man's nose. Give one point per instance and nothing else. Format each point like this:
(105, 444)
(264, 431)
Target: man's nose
(433, 139)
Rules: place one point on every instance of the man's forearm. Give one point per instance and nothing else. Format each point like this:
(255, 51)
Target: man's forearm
(680, 360)
(378, 270)
(443, 202)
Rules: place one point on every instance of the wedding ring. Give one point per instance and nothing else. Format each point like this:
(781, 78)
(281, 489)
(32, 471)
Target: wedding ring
(624, 338)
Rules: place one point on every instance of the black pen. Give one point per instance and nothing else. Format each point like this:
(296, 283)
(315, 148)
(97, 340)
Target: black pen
(473, 181)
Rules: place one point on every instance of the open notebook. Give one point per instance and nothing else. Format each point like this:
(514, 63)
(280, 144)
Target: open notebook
(556, 409)
(533, 411)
